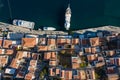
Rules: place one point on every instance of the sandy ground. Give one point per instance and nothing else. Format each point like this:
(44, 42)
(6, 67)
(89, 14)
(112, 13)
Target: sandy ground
(25, 30)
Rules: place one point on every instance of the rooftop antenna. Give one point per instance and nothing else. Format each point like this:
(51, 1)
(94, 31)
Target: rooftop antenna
(10, 10)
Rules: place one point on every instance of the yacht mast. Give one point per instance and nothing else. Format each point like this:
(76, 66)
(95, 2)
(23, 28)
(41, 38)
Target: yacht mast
(10, 10)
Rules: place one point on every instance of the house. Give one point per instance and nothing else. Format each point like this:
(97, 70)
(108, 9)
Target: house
(33, 63)
(15, 36)
(20, 75)
(15, 63)
(75, 62)
(84, 42)
(90, 73)
(50, 56)
(94, 41)
(87, 50)
(110, 52)
(52, 63)
(23, 54)
(111, 69)
(3, 60)
(54, 71)
(75, 41)
(51, 71)
(114, 60)
(92, 57)
(95, 49)
(42, 48)
(30, 76)
(51, 47)
(35, 56)
(47, 55)
(9, 51)
(7, 43)
(2, 51)
(82, 74)
(112, 77)
(51, 41)
(62, 41)
(66, 74)
(9, 73)
(42, 41)
(1, 42)
(29, 42)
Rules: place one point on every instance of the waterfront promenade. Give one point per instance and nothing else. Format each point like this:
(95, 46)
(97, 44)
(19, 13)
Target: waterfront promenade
(25, 30)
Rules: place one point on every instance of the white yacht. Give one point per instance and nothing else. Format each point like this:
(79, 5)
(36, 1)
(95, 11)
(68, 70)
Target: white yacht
(22, 23)
(67, 18)
(49, 28)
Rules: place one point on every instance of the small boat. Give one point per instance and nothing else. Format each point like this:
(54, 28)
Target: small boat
(23, 23)
(49, 28)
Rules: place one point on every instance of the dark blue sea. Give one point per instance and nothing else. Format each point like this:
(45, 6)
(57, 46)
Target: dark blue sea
(85, 13)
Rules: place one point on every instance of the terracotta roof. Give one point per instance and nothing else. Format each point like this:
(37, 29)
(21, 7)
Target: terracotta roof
(94, 50)
(2, 51)
(75, 65)
(57, 71)
(34, 56)
(53, 55)
(15, 63)
(88, 50)
(52, 63)
(75, 41)
(68, 74)
(82, 74)
(91, 57)
(60, 41)
(62, 73)
(0, 42)
(51, 42)
(68, 41)
(63, 41)
(3, 60)
(110, 52)
(47, 55)
(9, 51)
(31, 69)
(20, 74)
(42, 48)
(29, 42)
(7, 43)
(51, 72)
(94, 41)
(118, 61)
(29, 76)
(33, 63)
(75, 59)
(21, 54)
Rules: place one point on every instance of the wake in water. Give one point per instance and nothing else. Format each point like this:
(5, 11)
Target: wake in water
(1, 4)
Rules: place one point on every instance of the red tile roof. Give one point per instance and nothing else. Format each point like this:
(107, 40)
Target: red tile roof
(51, 42)
(94, 41)
(15, 63)
(7, 43)
(29, 76)
(29, 42)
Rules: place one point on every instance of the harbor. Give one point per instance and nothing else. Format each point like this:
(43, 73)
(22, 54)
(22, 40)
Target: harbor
(85, 13)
